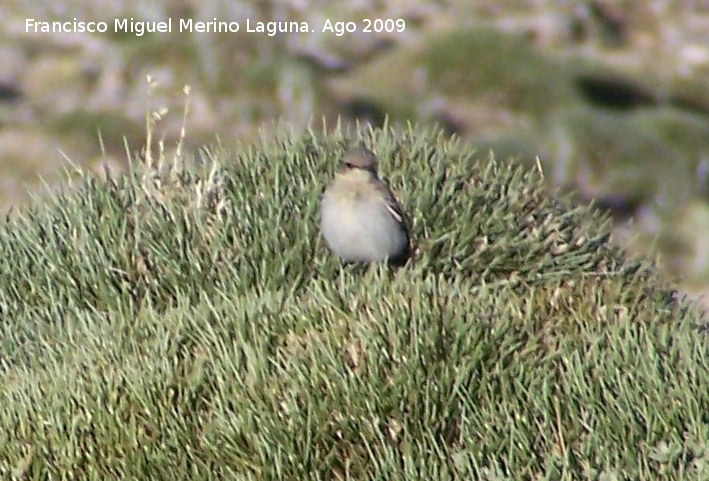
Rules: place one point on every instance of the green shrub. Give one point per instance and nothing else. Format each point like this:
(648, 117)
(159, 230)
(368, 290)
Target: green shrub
(189, 323)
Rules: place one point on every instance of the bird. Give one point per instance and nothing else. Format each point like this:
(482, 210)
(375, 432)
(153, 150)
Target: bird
(361, 220)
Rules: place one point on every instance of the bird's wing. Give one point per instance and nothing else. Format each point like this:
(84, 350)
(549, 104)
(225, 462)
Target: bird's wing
(391, 203)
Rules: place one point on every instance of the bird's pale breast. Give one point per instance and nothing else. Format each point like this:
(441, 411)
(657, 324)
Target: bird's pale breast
(357, 225)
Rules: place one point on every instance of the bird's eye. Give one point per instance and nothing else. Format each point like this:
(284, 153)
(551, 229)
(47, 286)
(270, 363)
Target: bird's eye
(349, 165)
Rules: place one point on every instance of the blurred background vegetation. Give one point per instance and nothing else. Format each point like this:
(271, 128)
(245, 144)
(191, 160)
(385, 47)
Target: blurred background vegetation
(613, 96)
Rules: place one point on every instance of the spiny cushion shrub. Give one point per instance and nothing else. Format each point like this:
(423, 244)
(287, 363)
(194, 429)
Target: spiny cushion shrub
(189, 323)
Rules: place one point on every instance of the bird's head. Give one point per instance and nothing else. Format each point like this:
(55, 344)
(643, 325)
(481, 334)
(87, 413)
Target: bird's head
(359, 158)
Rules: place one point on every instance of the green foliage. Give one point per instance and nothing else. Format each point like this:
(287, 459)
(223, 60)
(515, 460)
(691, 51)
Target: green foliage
(634, 158)
(498, 71)
(188, 323)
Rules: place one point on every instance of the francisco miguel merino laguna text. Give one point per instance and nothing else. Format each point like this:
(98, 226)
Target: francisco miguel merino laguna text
(139, 27)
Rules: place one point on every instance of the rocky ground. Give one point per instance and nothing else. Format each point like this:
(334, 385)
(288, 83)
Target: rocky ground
(612, 96)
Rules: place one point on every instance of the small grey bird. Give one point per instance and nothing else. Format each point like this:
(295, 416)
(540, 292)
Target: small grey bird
(361, 221)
